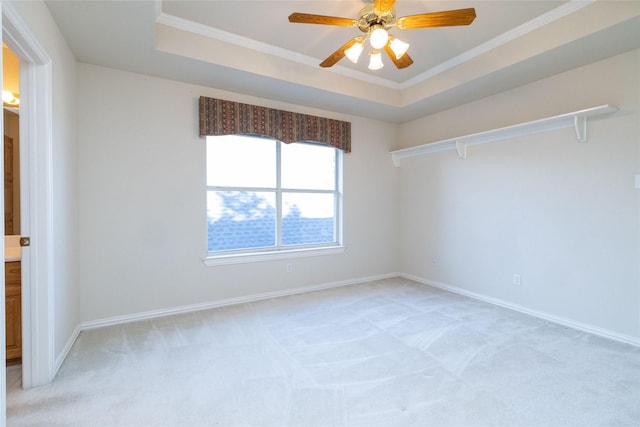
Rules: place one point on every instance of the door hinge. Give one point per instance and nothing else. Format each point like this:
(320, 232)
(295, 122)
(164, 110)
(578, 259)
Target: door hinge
(25, 241)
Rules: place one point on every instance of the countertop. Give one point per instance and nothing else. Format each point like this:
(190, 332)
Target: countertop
(12, 249)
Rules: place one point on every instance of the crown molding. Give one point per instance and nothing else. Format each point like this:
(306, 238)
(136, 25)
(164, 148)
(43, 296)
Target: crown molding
(559, 12)
(504, 38)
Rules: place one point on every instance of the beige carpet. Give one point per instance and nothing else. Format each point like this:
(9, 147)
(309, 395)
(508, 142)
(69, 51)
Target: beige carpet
(387, 353)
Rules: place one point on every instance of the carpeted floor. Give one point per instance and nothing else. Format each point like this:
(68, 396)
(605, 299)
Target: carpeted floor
(386, 353)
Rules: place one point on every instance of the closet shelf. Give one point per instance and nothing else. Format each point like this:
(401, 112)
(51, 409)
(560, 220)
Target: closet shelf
(576, 119)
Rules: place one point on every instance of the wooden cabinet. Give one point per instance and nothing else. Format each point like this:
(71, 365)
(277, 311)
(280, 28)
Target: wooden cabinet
(13, 311)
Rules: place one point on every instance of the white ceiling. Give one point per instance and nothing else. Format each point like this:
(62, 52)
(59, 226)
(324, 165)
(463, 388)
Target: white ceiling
(250, 47)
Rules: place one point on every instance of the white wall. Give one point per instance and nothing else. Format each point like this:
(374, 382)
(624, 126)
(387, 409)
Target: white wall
(142, 201)
(64, 172)
(562, 214)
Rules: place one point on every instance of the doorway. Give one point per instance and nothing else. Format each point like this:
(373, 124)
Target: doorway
(35, 123)
(12, 259)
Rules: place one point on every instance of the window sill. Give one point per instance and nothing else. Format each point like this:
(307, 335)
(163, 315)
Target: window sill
(212, 261)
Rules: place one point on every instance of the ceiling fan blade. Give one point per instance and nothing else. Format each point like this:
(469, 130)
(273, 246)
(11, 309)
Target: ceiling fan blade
(308, 18)
(404, 61)
(438, 19)
(380, 7)
(338, 54)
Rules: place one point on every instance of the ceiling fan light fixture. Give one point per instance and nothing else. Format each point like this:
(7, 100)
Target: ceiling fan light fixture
(378, 37)
(375, 60)
(398, 47)
(353, 53)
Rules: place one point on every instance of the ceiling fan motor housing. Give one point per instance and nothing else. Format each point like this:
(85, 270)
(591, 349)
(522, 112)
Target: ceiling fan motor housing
(369, 18)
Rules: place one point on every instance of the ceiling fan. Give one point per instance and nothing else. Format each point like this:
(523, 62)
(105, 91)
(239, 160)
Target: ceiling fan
(375, 20)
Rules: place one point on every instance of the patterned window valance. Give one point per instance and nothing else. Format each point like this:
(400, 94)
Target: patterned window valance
(221, 117)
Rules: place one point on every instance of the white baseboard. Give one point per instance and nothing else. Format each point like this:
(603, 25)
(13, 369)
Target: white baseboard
(606, 333)
(266, 295)
(65, 351)
(225, 302)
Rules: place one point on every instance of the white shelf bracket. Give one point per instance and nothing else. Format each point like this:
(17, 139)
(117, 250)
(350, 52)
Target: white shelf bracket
(461, 148)
(580, 124)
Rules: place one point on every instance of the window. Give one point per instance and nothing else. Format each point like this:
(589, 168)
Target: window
(265, 197)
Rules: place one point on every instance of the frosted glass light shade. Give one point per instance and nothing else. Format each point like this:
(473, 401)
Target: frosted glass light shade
(9, 98)
(379, 38)
(375, 60)
(353, 53)
(398, 47)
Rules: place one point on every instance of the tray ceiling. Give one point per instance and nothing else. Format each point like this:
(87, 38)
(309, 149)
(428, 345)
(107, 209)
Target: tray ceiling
(250, 47)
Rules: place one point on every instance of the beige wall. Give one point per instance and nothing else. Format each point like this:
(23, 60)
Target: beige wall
(142, 202)
(10, 71)
(564, 215)
(64, 168)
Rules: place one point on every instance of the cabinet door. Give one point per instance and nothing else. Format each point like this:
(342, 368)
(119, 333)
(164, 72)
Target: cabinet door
(8, 186)
(13, 311)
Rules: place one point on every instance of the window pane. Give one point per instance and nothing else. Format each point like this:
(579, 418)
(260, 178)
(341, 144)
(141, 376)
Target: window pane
(308, 218)
(308, 166)
(241, 161)
(240, 220)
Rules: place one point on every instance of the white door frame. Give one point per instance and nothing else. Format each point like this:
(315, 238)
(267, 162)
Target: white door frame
(3, 353)
(36, 126)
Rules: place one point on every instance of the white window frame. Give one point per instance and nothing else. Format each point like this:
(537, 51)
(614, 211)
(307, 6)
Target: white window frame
(279, 251)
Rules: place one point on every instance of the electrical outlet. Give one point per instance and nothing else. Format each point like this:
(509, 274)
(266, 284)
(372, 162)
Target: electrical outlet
(516, 279)
(289, 267)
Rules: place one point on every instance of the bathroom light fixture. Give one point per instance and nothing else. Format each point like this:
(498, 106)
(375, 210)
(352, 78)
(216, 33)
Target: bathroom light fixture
(10, 99)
